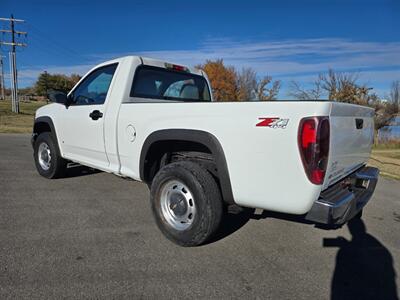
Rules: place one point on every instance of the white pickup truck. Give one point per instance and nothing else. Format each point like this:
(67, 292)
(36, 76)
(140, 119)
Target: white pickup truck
(156, 122)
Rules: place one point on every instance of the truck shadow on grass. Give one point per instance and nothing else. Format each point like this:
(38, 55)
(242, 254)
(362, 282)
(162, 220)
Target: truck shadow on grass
(364, 266)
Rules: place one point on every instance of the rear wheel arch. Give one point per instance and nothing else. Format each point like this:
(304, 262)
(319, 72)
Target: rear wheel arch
(159, 144)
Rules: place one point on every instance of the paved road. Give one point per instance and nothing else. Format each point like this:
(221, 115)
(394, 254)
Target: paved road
(92, 236)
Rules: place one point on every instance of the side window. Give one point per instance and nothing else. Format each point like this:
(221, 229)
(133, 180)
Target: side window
(93, 89)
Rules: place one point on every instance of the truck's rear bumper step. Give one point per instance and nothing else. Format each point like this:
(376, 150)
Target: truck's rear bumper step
(345, 199)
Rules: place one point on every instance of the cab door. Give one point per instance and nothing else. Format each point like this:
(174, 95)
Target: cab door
(82, 130)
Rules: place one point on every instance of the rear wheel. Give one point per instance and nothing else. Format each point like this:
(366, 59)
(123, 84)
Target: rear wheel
(48, 160)
(186, 203)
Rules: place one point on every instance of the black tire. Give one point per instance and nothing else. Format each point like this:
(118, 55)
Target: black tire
(206, 197)
(57, 165)
(359, 215)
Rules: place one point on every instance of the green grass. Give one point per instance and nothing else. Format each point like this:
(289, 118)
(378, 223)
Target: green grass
(395, 155)
(18, 123)
(387, 146)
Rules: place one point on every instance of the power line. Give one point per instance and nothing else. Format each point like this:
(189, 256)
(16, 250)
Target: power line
(13, 58)
(55, 43)
(47, 47)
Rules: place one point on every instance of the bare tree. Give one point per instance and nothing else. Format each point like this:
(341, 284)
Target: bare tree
(228, 84)
(387, 109)
(266, 94)
(395, 96)
(298, 92)
(251, 88)
(246, 84)
(342, 87)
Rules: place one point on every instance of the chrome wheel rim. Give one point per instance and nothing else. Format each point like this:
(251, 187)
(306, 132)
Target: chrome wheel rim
(44, 156)
(177, 204)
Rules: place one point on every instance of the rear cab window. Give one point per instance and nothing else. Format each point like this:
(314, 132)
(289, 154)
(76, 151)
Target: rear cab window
(167, 84)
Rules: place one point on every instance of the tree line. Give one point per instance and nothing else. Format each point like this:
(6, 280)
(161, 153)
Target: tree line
(345, 87)
(47, 82)
(231, 84)
(60, 82)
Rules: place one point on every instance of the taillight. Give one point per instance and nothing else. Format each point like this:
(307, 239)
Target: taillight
(314, 147)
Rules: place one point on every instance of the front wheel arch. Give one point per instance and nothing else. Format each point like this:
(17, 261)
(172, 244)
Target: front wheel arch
(44, 124)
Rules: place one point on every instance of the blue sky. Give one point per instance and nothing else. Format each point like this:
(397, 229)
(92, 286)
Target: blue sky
(289, 40)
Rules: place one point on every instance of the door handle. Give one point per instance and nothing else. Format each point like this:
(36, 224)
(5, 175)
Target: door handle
(359, 123)
(96, 114)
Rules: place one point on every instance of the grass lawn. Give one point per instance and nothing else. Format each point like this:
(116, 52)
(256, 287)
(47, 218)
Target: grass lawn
(388, 162)
(18, 123)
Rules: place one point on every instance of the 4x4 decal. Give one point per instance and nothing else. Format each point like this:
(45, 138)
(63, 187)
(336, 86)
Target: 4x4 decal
(273, 122)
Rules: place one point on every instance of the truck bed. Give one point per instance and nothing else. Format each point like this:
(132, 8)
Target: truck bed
(262, 160)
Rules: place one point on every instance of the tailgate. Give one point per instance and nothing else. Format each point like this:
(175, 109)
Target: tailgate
(351, 139)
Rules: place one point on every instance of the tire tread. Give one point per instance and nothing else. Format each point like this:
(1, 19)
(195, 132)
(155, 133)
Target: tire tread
(213, 206)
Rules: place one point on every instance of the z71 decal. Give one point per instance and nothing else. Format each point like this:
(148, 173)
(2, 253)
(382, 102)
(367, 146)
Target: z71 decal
(273, 122)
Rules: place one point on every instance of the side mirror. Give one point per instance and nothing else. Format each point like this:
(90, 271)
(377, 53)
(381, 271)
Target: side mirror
(58, 97)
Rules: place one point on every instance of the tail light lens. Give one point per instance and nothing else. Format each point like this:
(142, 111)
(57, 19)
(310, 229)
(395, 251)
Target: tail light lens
(314, 147)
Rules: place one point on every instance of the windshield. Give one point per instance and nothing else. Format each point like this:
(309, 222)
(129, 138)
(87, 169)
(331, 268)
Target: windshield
(159, 83)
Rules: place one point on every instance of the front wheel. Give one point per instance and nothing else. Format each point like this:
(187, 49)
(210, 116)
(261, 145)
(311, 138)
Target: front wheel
(48, 160)
(186, 203)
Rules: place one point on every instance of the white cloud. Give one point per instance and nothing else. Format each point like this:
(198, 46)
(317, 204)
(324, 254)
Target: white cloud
(292, 57)
(32, 73)
(377, 62)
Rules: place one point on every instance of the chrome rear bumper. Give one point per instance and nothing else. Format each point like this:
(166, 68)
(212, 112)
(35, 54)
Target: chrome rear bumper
(345, 199)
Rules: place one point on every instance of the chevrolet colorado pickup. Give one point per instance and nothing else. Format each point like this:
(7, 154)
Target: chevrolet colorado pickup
(156, 122)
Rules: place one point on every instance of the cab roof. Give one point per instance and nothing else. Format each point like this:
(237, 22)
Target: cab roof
(155, 63)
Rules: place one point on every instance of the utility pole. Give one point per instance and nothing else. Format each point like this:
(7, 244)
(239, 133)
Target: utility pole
(45, 85)
(2, 96)
(13, 59)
